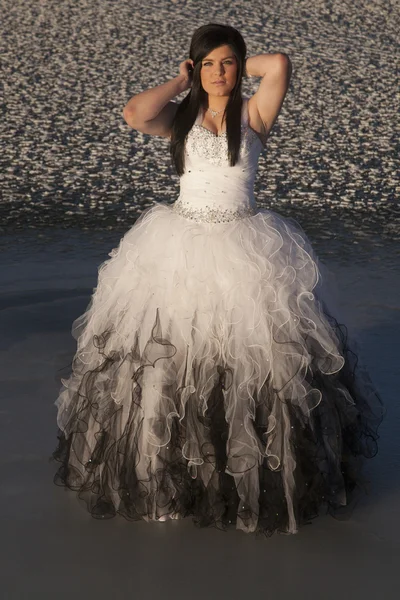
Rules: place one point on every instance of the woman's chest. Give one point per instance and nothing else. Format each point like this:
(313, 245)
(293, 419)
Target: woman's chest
(204, 145)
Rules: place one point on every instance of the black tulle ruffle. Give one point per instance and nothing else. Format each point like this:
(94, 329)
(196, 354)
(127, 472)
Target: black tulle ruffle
(329, 447)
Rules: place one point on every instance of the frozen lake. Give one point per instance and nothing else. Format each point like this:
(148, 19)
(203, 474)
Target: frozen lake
(51, 545)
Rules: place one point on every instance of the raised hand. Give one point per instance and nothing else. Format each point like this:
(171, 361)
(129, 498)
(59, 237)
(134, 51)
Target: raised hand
(186, 69)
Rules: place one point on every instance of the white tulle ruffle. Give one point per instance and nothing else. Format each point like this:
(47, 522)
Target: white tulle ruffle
(179, 305)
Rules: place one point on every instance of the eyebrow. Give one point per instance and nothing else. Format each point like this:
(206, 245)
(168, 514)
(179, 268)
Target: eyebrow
(211, 59)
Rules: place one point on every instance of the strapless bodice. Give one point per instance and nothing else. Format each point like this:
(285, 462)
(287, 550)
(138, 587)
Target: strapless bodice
(210, 189)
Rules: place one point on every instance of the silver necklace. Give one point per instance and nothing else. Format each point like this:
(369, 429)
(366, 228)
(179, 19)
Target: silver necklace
(214, 113)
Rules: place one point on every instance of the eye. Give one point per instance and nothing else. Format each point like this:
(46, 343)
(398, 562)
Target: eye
(226, 62)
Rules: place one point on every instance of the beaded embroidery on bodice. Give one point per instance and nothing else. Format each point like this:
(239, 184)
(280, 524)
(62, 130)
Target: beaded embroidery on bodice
(210, 189)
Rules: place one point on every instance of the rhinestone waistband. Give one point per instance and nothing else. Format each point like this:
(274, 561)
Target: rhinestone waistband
(212, 214)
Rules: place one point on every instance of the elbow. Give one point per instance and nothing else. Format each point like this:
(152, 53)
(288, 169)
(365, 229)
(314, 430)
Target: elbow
(128, 115)
(134, 114)
(281, 68)
(283, 63)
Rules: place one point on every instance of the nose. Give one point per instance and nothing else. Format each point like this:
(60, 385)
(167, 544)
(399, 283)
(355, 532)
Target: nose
(220, 69)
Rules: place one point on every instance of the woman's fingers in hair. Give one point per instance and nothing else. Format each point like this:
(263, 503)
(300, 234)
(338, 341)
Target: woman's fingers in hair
(186, 67)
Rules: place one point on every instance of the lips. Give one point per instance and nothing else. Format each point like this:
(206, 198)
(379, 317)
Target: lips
(218, 82)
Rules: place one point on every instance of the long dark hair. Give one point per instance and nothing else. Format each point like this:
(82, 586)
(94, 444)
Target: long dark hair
(204, 40)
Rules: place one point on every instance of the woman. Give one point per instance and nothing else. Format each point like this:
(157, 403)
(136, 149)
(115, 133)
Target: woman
(210, 380)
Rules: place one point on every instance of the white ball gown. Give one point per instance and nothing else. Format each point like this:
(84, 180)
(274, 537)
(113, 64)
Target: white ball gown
(210, 380)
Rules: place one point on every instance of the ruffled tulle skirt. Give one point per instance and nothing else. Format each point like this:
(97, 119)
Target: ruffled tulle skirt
(211, 380)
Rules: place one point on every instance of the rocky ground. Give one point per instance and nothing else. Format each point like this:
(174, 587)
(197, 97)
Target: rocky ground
(69, 66)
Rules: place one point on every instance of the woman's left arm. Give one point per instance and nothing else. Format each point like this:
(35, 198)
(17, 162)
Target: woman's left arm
(275, 71)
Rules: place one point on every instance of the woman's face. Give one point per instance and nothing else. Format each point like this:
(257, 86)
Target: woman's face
(220, 65)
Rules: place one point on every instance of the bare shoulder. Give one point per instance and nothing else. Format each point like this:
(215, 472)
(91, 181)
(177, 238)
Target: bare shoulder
(265, 105)
(160, 126)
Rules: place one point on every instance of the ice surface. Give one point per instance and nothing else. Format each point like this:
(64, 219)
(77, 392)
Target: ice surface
(52, 547)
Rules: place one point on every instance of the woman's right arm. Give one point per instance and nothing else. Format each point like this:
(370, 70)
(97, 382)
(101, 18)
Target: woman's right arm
(152, 111)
